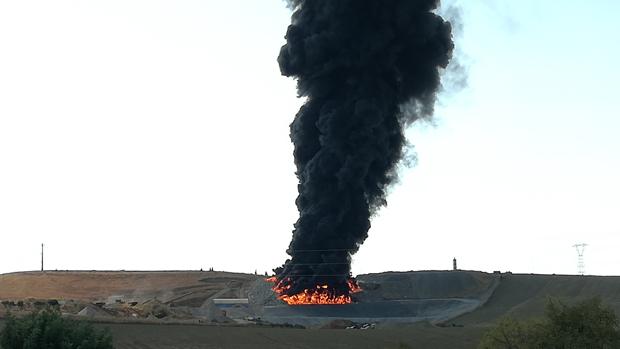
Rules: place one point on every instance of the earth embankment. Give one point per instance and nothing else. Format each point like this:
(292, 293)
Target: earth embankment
(524, 295)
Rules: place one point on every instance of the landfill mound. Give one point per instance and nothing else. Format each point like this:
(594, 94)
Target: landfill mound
(386, 298)
(424, 285)
(220, 297)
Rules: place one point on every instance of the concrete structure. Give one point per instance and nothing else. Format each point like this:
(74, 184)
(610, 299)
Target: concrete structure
(230, 302)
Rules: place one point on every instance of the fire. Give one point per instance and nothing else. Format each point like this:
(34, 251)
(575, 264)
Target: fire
(321, 294)
(353, 286)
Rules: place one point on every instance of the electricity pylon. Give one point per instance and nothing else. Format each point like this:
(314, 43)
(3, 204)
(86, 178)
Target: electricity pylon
(581, 267)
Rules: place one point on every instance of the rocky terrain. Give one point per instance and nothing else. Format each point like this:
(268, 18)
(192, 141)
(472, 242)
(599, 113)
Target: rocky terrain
(114, 295)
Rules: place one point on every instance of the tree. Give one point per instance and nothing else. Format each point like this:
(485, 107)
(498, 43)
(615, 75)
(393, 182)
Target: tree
(47, 329)
(585, 325)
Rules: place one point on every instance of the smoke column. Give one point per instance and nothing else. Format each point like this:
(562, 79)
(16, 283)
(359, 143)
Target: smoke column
(368, 69)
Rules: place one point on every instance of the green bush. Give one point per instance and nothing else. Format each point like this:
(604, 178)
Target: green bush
(585, 325)
(48, 330)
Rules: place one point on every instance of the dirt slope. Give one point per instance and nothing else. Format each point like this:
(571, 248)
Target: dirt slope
(98, 285)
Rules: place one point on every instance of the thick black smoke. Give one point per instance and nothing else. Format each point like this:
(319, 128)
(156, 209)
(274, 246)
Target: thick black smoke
(368, 68)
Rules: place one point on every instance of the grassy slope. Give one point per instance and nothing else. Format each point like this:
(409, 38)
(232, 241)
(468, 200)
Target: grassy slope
(525, 296)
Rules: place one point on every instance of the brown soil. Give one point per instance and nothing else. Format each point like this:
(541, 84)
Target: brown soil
(97, 285)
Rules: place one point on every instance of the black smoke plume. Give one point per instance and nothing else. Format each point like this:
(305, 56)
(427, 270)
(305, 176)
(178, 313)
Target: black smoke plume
(368, 69)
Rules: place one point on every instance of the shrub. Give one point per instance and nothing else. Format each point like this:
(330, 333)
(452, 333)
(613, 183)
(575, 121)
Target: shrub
(585, 325)
(47, 329)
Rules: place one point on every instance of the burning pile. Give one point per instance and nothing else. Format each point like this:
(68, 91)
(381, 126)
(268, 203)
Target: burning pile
(368, 69)
(321, 294)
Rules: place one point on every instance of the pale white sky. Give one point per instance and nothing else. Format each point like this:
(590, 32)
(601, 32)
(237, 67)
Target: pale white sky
(154, 135)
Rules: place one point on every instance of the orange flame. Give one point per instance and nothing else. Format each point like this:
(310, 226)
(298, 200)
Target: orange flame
(353, 286)
(319, 295)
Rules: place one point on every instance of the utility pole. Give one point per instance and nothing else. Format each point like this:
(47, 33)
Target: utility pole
(581, 267)
(41, 257)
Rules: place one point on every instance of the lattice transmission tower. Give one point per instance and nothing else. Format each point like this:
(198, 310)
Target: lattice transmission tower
(581, 266)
